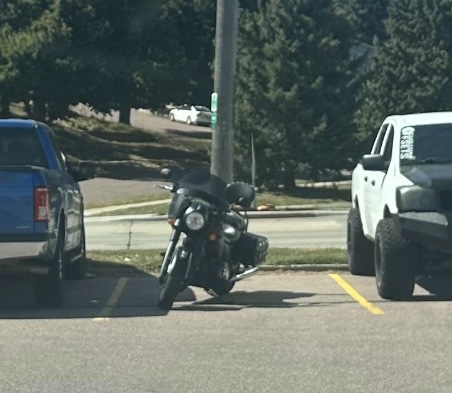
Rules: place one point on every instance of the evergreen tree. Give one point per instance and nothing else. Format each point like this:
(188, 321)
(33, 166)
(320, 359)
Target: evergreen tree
(111, 54)
(194, 25)
(367, 18)
(294, 91)
(32, 39)
(413, 69)
(123, 46)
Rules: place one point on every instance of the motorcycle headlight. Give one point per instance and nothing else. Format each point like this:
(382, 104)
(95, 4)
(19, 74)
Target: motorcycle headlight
(418, 199)
(195, 221)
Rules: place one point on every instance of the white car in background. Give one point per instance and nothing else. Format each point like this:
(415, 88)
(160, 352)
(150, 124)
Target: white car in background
(191, 114)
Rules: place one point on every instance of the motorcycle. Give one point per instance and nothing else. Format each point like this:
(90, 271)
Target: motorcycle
(210, 246)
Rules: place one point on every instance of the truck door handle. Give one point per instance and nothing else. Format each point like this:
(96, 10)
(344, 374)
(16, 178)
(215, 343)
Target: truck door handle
(372, 182)
(365, 179)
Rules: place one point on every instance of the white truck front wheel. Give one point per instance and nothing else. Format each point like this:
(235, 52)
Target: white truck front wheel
(395, 262)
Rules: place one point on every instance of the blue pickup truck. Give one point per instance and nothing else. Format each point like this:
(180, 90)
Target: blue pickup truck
(41, 209)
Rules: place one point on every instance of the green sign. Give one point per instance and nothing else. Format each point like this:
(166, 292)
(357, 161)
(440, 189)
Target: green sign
(213, 120)
(213, 102)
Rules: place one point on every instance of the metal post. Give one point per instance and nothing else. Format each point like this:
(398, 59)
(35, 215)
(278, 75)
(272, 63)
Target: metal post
(253, 167)
(224, 86)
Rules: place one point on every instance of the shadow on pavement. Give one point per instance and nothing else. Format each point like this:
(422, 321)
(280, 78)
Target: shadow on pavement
(235, 301)
(97, 297)
(438, 286)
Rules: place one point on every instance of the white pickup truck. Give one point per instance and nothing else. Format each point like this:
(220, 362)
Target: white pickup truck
(400, 223)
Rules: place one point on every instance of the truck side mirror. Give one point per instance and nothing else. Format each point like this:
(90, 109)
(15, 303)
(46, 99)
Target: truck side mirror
(81, 171)
(374, 162)
(86, 171)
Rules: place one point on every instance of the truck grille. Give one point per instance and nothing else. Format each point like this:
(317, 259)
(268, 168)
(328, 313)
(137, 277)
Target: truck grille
(445, 198)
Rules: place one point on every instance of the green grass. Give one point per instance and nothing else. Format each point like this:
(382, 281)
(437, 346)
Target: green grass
(124, 152)
(148, 261)
(121, 151)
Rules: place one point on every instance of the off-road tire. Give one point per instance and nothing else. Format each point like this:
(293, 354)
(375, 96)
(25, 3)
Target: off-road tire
(49, 289)
(360, 250)
(395, 262)
(77, 269)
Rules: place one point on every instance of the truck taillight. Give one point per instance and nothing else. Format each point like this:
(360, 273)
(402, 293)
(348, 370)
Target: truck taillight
(41, 204)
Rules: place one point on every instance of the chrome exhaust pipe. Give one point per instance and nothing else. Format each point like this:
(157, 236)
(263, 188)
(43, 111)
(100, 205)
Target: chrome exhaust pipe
(247, 273)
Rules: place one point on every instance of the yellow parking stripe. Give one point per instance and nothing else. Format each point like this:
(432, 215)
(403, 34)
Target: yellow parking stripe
(112, 301)
(356, 295)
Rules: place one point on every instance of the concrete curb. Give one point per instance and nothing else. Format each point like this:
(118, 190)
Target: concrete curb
(303, 268)
(130, 271)
(254, 215)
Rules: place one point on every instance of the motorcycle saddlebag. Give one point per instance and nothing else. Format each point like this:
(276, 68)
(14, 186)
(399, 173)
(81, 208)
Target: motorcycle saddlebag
(252, 249)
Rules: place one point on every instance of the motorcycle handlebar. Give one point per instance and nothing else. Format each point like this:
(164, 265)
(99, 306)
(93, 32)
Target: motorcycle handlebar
(165, 186)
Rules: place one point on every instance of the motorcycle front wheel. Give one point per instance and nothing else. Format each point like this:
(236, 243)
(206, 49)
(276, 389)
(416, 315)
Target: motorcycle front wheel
(174, 280)
(168, 294)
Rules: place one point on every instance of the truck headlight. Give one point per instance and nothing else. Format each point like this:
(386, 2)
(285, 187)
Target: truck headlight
(418, 199)
(195, 221)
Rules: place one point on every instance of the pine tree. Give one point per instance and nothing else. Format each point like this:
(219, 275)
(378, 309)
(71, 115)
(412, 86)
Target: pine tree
(111, 54)
(293, 90)
(32, 38)
(194, 27)
(367, 18)
(412, 71)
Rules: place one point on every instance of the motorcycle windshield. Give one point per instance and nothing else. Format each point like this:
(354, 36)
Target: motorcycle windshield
(198, 184)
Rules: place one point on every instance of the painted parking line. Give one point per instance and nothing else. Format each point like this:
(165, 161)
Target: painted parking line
(356, 295)
(112, 301)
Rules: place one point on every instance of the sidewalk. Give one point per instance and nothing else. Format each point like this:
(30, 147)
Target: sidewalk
(280, 211)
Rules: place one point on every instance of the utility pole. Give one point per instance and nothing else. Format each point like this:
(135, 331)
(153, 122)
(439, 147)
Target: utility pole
(224, 89)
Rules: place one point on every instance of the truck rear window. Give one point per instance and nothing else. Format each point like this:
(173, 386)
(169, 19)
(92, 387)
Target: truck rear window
(21, 146)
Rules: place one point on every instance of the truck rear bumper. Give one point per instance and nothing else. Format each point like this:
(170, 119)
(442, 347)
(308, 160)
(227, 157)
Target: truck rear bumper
(15, 250)
(30, 257)
(430, 229)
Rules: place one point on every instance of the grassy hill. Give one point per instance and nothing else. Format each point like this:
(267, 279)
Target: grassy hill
(124, 152)
(121, 151)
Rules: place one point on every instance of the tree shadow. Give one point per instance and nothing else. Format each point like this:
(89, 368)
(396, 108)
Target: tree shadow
(195, 134)
(123, 152)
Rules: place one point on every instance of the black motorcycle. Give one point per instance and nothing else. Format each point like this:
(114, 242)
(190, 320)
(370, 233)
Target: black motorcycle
(209, 245)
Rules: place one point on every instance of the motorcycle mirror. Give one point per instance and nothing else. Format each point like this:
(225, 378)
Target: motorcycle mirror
(166, 173)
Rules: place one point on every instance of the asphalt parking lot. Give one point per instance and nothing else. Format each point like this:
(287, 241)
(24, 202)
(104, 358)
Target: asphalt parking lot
(123, 295)
(275, 332)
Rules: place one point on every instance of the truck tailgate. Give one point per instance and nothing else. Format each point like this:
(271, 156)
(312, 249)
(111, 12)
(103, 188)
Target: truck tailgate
(16, 201)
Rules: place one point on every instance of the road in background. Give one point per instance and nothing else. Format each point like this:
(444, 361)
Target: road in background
(146, 120)
(294, 232)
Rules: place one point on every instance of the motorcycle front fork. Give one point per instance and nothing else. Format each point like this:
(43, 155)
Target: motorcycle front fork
(174, 238)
